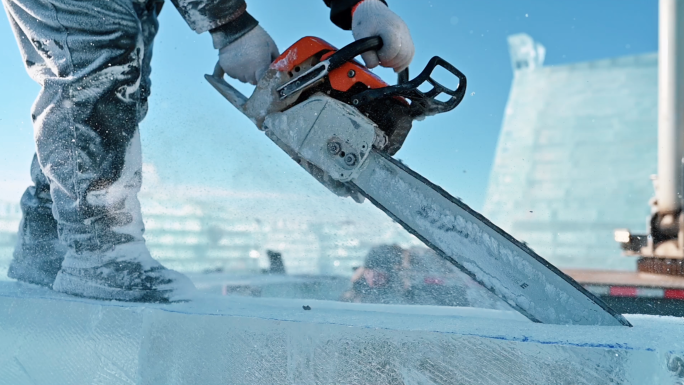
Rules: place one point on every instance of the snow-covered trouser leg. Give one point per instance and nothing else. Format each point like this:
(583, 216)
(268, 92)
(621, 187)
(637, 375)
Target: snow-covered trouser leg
(92, 60)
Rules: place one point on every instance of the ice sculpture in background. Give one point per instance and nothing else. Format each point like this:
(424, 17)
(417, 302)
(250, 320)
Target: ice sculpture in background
(526, 54)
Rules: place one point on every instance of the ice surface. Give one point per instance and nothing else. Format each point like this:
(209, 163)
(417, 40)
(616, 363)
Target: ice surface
(48, 338)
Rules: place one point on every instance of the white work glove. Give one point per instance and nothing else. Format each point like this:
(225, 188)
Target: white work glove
(374, 18)
(248, 58)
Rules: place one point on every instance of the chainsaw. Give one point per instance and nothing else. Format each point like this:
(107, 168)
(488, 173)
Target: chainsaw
(343, 124)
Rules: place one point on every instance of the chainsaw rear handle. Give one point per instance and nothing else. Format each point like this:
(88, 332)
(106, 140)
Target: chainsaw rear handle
(352, 50)
(422, 103)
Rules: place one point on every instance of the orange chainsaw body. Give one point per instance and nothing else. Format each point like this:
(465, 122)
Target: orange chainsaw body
(341, 79)
(391, 108)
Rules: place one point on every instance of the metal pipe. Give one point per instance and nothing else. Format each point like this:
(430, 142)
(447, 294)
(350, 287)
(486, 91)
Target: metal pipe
(670, 105)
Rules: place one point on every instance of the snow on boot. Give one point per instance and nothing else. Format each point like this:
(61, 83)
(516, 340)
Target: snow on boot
(135, 278)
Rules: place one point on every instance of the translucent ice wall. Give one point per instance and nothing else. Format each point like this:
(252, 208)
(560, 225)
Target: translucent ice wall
(576, 150)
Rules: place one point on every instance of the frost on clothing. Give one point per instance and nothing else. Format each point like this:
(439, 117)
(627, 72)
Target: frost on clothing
(86, 116)
(94, 65)
(203, 15)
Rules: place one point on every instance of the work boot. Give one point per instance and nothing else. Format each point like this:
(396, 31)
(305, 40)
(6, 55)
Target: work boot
(38, 263)
(125, 281)
(135, 279)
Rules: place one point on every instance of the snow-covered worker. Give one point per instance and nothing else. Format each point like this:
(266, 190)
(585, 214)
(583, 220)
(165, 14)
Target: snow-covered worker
(82, 230)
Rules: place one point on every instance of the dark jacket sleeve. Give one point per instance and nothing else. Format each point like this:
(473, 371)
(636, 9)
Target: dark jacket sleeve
(228, 15)
(341, 12)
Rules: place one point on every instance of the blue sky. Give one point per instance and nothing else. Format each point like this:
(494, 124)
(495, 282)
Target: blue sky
(193, 137)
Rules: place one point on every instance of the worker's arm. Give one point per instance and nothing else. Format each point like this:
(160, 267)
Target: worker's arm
(373, 18)
(245, 49)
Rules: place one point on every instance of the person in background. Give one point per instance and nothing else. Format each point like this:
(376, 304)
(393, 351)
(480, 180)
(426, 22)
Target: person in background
(276, 262)
(380, 279)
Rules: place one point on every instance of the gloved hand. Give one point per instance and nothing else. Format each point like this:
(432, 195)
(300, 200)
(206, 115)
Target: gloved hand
(374, 18)
(248, 58)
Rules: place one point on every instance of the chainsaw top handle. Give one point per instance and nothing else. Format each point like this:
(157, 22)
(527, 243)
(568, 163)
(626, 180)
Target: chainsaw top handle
(352, 50)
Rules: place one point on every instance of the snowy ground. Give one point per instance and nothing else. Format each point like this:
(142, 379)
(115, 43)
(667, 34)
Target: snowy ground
(49, 338)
